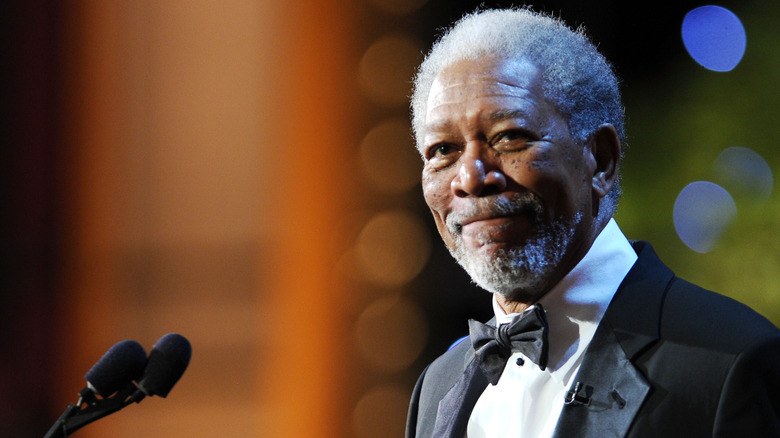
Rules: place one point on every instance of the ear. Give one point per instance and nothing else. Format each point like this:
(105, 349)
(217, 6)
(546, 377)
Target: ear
(605, 150)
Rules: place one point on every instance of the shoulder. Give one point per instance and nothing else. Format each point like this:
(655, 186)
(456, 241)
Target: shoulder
(706, 356)
(449, 366)
(710, 320)
(749, 401)
(434, 382)
(654, 301)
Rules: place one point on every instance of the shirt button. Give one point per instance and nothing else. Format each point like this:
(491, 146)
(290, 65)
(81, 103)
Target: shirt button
(520, 362)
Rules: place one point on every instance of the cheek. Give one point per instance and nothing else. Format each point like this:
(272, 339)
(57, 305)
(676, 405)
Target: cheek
(530, 172)
(548, 176)
(436, 191)
(438, 196)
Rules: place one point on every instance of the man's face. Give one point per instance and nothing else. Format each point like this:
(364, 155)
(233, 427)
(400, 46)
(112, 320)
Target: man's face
(509, 189)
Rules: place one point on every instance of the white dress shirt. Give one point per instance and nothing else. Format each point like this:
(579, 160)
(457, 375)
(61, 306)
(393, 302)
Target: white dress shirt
(526, 401)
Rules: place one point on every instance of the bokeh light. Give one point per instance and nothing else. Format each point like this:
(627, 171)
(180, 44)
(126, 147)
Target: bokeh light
(388, 158)
(392, 248)
(376, 414)
(387, 67)
(702, 212)
(391, 333)
(714, 37)
(743, 172)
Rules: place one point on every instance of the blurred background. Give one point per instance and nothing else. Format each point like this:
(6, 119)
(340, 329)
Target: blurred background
(241, 172)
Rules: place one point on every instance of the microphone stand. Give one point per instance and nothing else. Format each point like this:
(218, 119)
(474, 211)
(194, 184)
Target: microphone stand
(90, 408)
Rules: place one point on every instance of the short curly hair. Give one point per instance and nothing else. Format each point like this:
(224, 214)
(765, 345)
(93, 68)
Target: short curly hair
(577, 79)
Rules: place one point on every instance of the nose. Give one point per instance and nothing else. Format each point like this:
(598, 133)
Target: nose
(475, 178)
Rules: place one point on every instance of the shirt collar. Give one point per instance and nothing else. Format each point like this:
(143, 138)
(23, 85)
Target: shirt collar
(575, 305)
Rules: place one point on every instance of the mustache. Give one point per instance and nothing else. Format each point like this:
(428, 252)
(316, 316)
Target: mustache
(517, 204)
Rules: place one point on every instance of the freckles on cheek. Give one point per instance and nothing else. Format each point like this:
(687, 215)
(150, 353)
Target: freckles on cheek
(427, 179)
(526, 170)
(437, 204)
(433, 190)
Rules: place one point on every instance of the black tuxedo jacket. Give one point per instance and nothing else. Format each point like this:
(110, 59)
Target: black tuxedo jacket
(669, 359)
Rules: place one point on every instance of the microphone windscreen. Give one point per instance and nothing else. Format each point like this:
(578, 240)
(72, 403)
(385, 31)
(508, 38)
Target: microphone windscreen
(122, 363)
(168, 359)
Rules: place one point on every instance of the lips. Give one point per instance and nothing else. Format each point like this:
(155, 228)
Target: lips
(497, 212)
(488, 220)
(498, 229)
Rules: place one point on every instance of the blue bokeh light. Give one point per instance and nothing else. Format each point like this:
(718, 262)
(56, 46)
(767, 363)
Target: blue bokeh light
(702, 212)
(714, 37)
(743, 172)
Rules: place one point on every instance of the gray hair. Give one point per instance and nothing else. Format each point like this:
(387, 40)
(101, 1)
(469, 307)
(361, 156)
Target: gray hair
(577, 79)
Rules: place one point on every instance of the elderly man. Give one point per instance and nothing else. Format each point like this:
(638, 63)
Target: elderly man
(520, 125)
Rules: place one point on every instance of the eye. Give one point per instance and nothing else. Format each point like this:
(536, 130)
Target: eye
(512, 139)
(441, 154)
(440, 150)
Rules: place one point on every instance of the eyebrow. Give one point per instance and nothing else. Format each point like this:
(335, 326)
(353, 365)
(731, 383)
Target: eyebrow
(493, 117)
(507, 114)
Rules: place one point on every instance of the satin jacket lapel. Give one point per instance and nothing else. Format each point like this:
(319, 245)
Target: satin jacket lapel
(455, 408)
(612, 388)
(611, 392)
(453, 415)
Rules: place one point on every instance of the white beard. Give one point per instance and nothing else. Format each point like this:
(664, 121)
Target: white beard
(520, 271)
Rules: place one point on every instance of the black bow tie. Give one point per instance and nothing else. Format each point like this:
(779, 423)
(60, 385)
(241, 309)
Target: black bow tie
(493, 346)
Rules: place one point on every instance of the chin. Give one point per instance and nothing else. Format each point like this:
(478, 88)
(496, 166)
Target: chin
(523, 272)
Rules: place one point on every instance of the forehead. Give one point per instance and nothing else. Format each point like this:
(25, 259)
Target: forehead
(472, 81)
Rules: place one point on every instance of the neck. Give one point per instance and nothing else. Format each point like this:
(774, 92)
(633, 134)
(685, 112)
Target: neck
(518, 302)
(509, 306)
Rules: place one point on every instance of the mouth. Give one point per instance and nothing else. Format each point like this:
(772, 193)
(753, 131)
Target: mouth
(498, 232)
(493, 221)
(497, 213)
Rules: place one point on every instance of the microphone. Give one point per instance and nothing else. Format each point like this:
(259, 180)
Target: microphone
(122, 363)
(167, 362)
(114, 378)
(581, 394)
